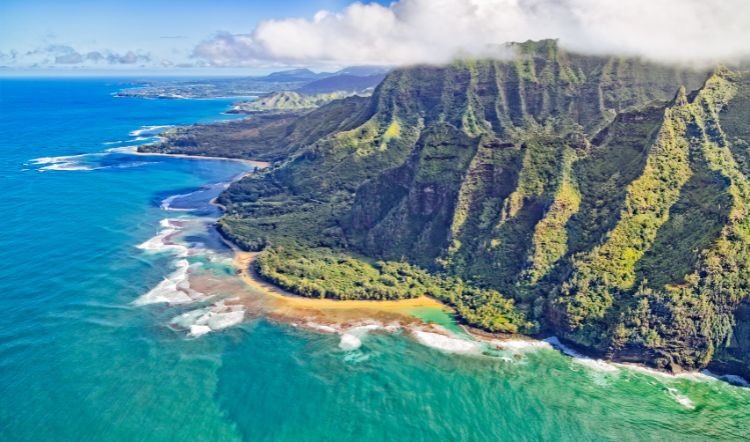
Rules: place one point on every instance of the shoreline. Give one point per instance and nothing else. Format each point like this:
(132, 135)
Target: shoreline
(243, 262)
(304, 308)
(255, 163)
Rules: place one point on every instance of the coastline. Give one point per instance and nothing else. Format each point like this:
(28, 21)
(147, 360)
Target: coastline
(243, 262)
(255, 163)
(340, 316)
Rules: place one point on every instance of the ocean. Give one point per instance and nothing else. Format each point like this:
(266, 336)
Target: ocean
(118, 317)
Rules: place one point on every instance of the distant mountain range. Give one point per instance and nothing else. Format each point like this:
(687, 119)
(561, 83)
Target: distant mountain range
(352, 79)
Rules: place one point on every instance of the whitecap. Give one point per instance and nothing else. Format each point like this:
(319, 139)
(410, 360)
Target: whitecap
(596, 364)
(349, 342)
(173, 290)
(199, 330)
(218, 316)
(60, 159)
(123, 149)
(149, 130)
(680, 398)
(166, 203)
(520, 345)
(225, 319)
(67, 162)
(160, 242)
(445, 343)
(351, 339)
(321, 327)
(67, 167)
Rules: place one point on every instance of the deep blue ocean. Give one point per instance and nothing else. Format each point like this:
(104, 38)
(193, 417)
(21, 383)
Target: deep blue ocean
(81, 358)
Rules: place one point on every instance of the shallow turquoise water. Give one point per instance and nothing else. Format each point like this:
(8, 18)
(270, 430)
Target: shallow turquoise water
(78, 361)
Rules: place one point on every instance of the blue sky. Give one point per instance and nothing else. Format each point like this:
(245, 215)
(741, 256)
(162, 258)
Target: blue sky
(163, 30)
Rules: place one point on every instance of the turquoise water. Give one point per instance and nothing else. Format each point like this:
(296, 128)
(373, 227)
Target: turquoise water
(80, 361)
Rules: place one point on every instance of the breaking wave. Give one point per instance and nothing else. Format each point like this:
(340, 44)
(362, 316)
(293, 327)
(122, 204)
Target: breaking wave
(446, 343)
(174, 289)
(596, 364)
(217, 316)
(149, 131)
(67, 162)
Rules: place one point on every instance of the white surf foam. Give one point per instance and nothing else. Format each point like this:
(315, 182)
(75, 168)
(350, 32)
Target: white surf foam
(173, 290)
(520, 345)
(596, 364)
(680, 398)
(166, 204)
(199, 330)
(320, 327)
(149, 130)
(160, 243)
(123, 149)
(129, 165)
(351, 339)
(68, 162)
(60, 159)
(67, 167)
(218, 316)
(445, 343)
(349, 342)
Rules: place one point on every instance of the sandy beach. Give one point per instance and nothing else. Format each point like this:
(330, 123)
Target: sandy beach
(243, 261)
(255, 163)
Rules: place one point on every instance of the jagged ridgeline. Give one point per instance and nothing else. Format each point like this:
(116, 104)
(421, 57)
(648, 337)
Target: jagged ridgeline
(603, 199)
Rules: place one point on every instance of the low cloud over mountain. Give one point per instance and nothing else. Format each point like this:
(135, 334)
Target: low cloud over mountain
(435, 31)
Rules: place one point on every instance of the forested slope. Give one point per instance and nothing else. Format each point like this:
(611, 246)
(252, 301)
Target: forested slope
(601, 199)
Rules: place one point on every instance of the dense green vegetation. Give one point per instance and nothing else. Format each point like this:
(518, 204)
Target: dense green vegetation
(323, 273)
(267, 136)
(606, 197)
(288, 101)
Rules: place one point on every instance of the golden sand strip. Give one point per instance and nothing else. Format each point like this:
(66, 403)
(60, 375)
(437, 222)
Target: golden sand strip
(257, 164)
(243, 261)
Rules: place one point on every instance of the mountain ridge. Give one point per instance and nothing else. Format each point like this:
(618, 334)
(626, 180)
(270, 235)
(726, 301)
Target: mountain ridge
(601, 198)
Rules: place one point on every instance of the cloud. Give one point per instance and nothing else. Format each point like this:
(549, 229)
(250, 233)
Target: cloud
(436, 31)
(56, 54)
(71, 58)
(95, 56)
(8, 57)
(129, 57)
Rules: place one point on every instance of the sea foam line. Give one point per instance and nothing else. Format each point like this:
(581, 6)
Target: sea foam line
(149, 130)
(174, 289)
(445, 343)
(215, 317)
(160, 243)
(65, 162)
(577, 357)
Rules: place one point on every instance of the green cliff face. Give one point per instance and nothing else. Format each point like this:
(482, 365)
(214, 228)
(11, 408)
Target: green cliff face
(601, 199)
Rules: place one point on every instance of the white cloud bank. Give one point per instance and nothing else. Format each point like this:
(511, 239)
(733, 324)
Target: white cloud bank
(59, 55)
(435, 31)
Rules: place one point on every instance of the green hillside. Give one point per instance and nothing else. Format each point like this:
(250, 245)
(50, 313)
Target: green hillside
(600, 199)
